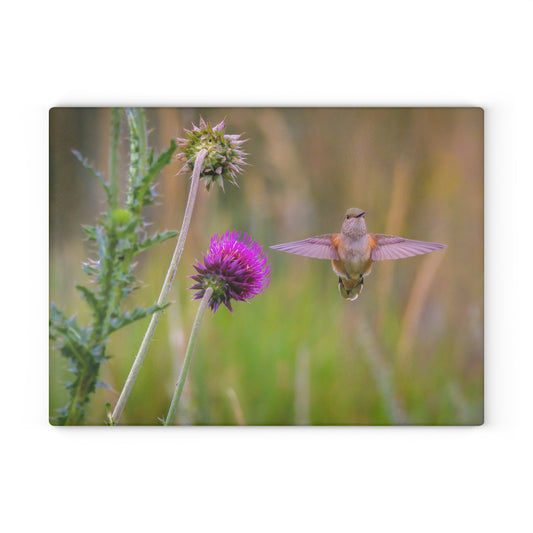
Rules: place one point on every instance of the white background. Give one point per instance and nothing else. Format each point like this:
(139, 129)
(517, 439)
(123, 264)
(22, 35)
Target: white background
(246, 53)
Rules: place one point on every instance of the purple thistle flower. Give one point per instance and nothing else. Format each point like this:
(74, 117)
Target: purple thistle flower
(225, 157)
(235, 268)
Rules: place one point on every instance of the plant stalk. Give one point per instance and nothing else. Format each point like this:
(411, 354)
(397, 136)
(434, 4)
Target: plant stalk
(139, 359)
(188, 356)
(75, 415)
(114, 157)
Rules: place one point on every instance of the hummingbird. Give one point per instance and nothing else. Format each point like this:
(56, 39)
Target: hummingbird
(353, 251)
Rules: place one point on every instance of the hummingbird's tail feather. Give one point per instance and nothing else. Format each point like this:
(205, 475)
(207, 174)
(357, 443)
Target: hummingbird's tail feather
(350, 289)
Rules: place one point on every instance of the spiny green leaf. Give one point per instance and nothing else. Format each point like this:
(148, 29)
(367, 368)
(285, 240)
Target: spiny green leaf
(126, 243)
(71, 345)
(98, 175)
(163, 160)
(137, 314)
(126, 291)
(102, 384)
(102, 242)
(142, 193)
(132, 226)
(55, 314)
(89, 269)
(91, 298)
(155, 239)
(90, 231)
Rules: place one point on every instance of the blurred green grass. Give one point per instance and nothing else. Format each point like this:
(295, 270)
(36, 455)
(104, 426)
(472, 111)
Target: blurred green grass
(409, 350)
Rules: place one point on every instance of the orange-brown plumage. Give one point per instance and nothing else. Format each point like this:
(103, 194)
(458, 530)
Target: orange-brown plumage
(353, 264)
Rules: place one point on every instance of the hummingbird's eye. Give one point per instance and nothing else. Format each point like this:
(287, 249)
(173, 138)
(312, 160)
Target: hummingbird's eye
(347, 217)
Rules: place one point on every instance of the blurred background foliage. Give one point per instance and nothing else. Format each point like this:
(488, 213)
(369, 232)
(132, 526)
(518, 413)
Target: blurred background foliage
(409, 350)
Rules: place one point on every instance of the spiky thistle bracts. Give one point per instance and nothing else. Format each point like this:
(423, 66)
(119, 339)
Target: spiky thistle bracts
(235, 268)
(225, 157)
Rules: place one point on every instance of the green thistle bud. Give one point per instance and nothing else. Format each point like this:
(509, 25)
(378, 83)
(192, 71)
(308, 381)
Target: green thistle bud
(121, 217)
(224, 159)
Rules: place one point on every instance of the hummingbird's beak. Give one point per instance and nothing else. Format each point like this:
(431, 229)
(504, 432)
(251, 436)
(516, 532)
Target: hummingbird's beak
(360, 215)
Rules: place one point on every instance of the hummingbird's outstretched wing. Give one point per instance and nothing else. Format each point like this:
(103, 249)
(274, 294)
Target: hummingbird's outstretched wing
(320, 247)
(391, 247)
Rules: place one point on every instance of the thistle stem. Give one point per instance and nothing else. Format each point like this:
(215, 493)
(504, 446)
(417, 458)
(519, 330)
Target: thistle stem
(139, 359)
(188, 356)
(114, 157)
(76, 415)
